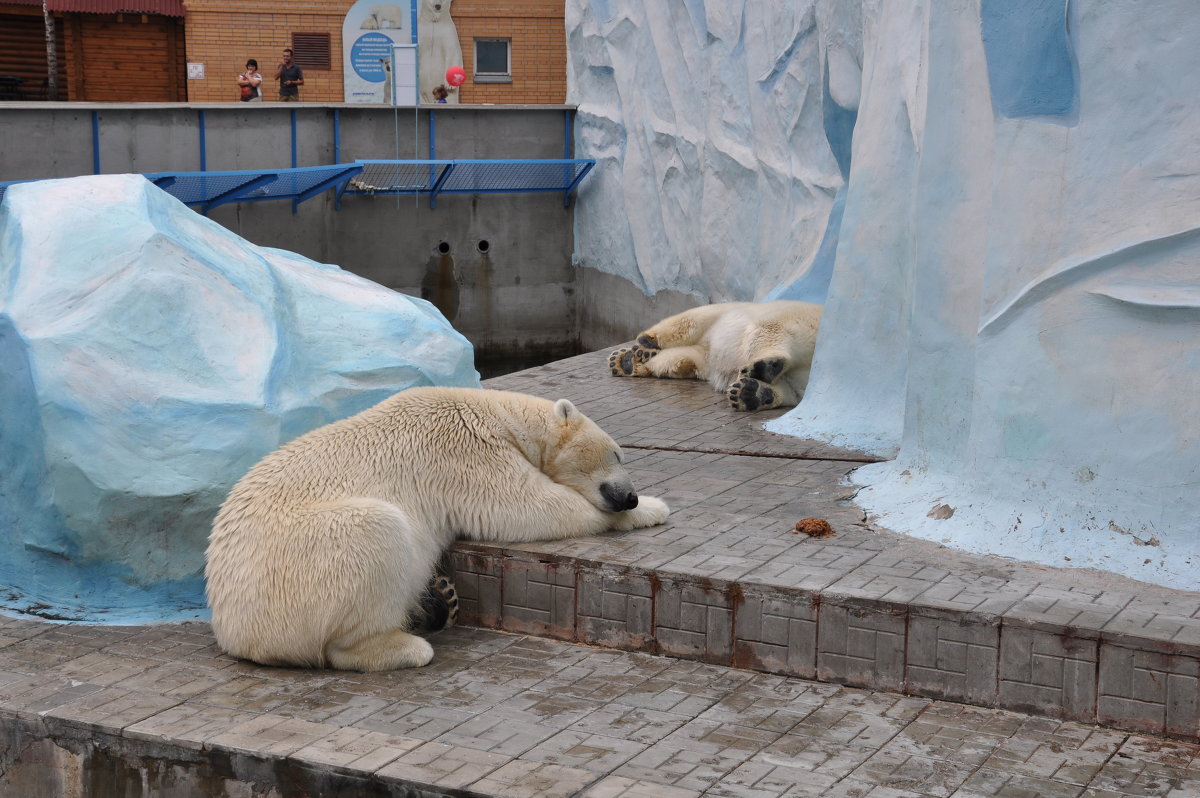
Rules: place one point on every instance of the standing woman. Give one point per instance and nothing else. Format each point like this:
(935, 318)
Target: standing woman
(251, 83)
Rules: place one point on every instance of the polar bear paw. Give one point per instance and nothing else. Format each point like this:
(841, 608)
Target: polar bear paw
(651, 511)
(766, 370)
(627, 362)
(747, 393)
(439, 606)
(648, 342)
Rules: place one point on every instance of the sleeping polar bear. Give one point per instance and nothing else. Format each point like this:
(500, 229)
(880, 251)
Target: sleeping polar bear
(321, 554)
(759, 353)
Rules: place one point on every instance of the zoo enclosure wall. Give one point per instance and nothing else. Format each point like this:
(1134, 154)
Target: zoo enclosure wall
(499, 266)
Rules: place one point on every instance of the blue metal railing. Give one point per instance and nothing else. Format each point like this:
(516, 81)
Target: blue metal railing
(435, 177)
(207, 190)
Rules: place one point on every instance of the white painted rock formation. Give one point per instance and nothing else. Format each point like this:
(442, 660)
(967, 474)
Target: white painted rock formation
(149, 358)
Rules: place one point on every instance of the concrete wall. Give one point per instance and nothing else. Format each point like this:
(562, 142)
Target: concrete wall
(515, 301)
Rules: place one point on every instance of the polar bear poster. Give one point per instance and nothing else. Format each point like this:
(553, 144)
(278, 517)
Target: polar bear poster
(438, 47)
(322, 553)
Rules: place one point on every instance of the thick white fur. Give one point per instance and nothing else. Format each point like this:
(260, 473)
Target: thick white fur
(720, 342)
(321, 552)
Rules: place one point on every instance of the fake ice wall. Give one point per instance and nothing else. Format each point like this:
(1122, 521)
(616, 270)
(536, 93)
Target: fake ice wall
(148, 358)
(721, 132)
(1015, 305)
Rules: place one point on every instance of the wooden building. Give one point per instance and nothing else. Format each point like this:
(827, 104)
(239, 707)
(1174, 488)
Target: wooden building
(106, 50)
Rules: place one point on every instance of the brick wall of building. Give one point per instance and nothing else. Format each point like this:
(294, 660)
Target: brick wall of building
(539, 48)
(222, 39)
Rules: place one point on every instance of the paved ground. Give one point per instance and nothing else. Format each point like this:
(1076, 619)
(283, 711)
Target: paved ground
(511, 715)
(811, 622)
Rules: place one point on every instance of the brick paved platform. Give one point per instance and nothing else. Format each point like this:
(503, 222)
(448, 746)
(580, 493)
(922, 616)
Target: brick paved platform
(727, 581)
(848, 654)
(160, 711)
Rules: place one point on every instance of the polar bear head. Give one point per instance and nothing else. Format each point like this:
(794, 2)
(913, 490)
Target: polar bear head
(584, 458)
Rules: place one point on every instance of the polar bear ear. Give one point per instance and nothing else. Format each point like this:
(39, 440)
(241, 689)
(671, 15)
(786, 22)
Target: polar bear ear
(564, 409)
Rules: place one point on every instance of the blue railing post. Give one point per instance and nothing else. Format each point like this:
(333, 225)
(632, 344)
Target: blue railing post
(294, 203)
(567, 156)
(432, 157)
(337, 135)
(203, 144)
(337, 152)
(95, 142)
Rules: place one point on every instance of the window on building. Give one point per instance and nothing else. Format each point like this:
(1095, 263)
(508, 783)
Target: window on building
(311, 50)
(493, 61)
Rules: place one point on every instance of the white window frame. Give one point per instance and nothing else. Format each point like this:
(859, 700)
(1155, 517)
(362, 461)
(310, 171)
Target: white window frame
(494, 77)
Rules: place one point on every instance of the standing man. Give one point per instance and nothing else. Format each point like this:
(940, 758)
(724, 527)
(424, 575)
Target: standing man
(290, 78)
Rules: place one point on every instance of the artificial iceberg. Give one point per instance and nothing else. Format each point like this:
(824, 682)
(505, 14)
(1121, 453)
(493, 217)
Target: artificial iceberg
(150, 357)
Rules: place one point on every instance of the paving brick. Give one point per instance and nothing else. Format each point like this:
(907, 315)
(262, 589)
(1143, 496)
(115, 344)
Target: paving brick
(861, 646)
(187, 725)
(770, 703)
(522, 778)
(270, 735)
(953, 656)
(697, 755)
(1049, 749)
(355, 749)
(616, 609)
(694, 621)
(577, 749)
(776, 632)
(538, 598)
(442, 765)
(1048, 673)
(620, 787)
(898, 769)
(1148, 691)
(477, 579)
(110, 709)
(34, 695)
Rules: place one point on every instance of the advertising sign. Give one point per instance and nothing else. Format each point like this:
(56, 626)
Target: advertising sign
(370, 34)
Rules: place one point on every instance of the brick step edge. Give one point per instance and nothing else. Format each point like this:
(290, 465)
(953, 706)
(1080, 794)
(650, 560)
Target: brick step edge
(1121, 681)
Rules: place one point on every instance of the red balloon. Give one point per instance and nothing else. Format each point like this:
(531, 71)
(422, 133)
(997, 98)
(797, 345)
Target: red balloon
(455, 76)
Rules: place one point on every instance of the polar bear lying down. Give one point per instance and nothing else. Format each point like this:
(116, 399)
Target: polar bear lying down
(321, 554)
(759, 353)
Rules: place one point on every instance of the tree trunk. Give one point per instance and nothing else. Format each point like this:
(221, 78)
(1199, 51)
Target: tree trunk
(51, 56)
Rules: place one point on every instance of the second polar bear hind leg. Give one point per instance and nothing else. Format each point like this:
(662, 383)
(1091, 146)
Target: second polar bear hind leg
(680, 363)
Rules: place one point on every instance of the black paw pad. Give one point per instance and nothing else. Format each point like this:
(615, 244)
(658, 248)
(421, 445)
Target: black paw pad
(438, 608)
(647, 342)
(614, 363)
(767, 370)
(749, 394)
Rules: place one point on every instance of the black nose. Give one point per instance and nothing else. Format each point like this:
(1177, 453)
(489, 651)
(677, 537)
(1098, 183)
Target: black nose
(618, 499)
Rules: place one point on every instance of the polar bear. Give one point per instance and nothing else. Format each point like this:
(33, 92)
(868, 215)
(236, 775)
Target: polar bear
(759, 353)
(321, 554)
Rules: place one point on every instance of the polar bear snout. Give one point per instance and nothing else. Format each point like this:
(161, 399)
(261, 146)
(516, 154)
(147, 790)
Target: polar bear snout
(618, 497)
